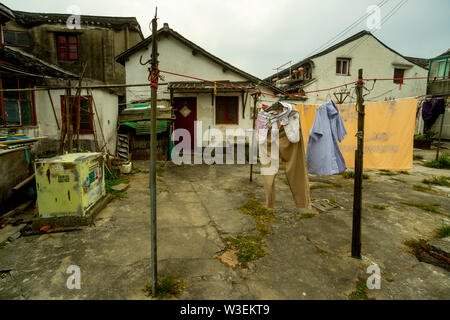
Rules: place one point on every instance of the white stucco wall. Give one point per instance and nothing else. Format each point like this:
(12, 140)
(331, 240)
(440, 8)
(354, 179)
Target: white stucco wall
(176, 57)
(376, 61)
(107, 108)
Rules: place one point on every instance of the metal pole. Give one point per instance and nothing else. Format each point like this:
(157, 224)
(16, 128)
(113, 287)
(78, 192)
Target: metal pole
(250, 156)
(440, 134)
(359, 152)
(154, 63)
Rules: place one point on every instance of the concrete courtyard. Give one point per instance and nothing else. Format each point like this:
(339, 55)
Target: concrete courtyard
(308, 251)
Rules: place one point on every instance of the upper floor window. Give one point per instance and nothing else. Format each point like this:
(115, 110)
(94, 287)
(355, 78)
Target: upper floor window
(67, 46)
(343, 66)
(16, 38)
(227, 110)
(399, 74)
(16, 108)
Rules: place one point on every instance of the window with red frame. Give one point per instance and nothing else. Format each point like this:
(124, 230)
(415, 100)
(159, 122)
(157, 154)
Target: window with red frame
(16, 108)
(399, 73)
(67, 46)
(85, 111)
(227, 110)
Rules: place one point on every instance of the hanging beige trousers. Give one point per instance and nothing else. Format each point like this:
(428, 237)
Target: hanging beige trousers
(293, 154)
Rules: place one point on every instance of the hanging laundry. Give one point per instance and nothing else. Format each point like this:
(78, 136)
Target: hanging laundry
(431, 109)
(284, 128)
(323, 155)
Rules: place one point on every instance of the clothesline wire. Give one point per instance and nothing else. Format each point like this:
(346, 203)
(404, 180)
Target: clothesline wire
(299, 93)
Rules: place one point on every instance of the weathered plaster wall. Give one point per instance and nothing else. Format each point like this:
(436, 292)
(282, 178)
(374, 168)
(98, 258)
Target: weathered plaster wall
(174, 56)
(377, 62)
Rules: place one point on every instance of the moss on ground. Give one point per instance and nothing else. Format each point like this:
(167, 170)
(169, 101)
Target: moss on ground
(424, 206)
(348, 174)
(167, 286)
(361, 291)
(438, 181)
(380, 206)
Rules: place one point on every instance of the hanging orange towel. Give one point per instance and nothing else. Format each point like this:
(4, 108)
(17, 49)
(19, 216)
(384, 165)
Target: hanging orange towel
(388, 136)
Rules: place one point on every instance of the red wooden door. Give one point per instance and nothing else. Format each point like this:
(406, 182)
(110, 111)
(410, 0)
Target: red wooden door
(185, 110)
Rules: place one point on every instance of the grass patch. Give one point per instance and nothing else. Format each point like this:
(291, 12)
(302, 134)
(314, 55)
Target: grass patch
(387, 173)
(417, 157)
(326, 186)
(380, 206)
(404, 172)
(348, 174)
(361, 291)
(160, 171)
(438, 181)
(167, 286)
(443, 162)
(249, 248)
(112, 179)
(424, 206)
(415, 245)
(421, 188)
(443, 231)
(307, 215)
(258, 211)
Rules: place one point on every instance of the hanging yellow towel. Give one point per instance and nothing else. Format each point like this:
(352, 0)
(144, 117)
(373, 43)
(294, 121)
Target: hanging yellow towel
(215, 89)
(388, 136)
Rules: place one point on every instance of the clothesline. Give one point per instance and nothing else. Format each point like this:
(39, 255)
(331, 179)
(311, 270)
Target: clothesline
(299, 93)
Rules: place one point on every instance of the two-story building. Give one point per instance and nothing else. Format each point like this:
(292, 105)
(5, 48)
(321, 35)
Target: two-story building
(339, 64)
(56, 39)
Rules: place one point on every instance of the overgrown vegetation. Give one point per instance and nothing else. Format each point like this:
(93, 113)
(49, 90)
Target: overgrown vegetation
(361, 291)
(380, 206)
(443, 162)
(112, 178)
(349, 174)
(249, 247)
(443, 231)
(417, 157)
(167, 286)
(438, 181)
(424, 206)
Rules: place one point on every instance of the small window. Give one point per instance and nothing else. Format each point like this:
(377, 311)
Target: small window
(343, 66)
(16, 38)
(227, 110)
(85, 109)
(16, 108)
(399, 74)
(67, 47)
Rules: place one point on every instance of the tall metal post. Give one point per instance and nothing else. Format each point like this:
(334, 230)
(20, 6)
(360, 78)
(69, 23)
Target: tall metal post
(357, 193)
(154, 89)
(251, 155)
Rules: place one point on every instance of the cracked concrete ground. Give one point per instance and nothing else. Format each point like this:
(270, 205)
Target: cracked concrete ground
(198, 208)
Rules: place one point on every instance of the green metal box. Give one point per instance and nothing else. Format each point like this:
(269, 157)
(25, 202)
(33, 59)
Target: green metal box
(69, 185)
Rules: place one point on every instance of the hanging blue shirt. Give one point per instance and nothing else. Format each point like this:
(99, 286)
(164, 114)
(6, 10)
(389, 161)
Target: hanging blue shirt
(323, 156)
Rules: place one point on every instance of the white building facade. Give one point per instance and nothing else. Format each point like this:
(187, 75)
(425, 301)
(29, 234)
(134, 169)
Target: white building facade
(193, 100)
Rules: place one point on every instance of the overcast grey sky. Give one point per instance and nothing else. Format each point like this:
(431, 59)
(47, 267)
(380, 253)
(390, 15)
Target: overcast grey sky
(259, 35)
